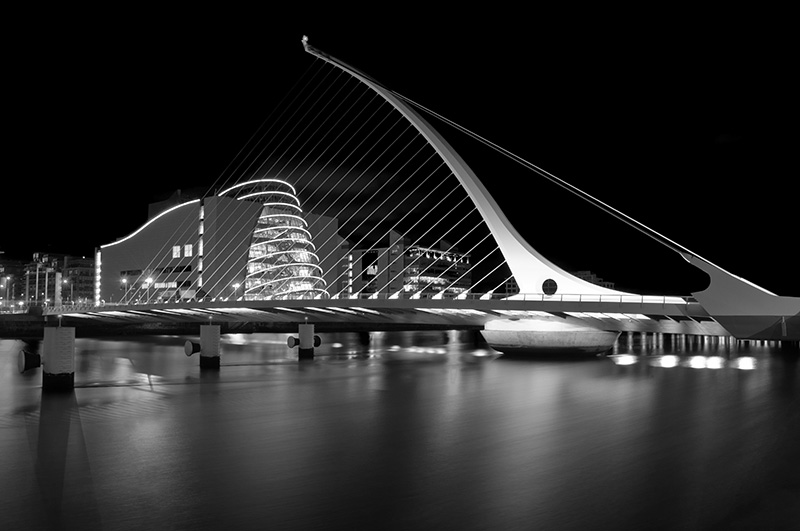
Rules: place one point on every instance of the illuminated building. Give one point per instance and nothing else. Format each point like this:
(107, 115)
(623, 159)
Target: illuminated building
(57, 278)
(250, 241)
(77, 280)
(406, 270)
(11, 278)
(588, 276)
(54, 279)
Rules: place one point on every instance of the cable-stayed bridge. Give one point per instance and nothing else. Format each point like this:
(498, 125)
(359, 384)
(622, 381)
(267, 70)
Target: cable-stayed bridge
(348, 209)
(632, 313)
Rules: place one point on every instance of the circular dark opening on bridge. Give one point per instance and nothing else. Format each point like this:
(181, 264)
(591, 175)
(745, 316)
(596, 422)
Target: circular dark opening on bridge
(549, 287)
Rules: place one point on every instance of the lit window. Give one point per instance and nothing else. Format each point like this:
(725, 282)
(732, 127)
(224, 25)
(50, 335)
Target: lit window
(187, 250)
(176, 251)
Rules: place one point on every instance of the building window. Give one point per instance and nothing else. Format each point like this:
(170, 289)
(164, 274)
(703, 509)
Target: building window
(187, 250)
(176, 251)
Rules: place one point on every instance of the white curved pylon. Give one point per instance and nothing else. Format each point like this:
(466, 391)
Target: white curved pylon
(530, 269)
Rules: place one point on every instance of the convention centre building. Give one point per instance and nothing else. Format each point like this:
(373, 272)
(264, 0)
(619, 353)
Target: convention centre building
(251, 241)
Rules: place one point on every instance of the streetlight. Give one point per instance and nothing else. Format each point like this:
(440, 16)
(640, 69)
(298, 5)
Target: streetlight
(125, 283)
(36, 292)
(235, 290)
(47, 271)
(68, 281)
(148, 281)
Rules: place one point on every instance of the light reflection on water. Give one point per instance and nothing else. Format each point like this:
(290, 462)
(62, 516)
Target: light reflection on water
(403, 431)
(695, 361)
(691, 351)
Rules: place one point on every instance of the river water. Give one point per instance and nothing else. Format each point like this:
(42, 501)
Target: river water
(403, 431)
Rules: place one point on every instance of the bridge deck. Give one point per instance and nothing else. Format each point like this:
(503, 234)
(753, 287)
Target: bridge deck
(647, 314)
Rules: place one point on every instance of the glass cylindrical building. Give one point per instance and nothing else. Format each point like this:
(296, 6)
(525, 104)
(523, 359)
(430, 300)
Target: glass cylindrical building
(281, 263)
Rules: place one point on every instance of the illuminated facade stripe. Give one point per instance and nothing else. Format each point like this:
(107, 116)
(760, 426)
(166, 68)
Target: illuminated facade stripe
(270, 269)
(287, 228)
(289, 252)
(257, 181)
(310, 278)
(267, 242)
(149, 222)
(282, 228)
(287, 194)
(289, 216)
(295, 207)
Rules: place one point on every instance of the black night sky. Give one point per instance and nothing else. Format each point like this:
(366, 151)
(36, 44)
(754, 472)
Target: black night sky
(687, 123)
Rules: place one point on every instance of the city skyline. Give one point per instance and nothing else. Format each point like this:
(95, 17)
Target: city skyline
(702, 121)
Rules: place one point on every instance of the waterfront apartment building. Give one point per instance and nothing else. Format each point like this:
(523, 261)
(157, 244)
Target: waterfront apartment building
(398, 269)
(55, 279)
(511, 287)
(77, 280)
(588, 276)
(11, 287)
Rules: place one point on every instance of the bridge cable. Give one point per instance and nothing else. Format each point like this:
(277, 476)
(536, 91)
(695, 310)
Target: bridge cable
(365, 189)
(450, 249)
(560, 182)
(153, 265)
(395, 225)
(454, 263)
(419, 220)
(324, 105)
(398, 204)
(259, 169)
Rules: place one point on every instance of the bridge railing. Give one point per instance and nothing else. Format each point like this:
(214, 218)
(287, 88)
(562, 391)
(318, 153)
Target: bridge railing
(540, 297)
(583, 297)
(37, 308)
(530, 297)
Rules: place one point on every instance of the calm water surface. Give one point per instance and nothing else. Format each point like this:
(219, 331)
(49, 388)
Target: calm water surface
(403, 431)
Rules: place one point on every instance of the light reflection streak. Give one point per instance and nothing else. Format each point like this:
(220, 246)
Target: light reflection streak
(624, 359)
(744, 363)
(697, 362)
(667, 361)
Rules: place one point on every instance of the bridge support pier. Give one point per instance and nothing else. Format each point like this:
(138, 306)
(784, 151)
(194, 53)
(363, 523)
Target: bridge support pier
(305, 342)
(58, 358)
(209, 347)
